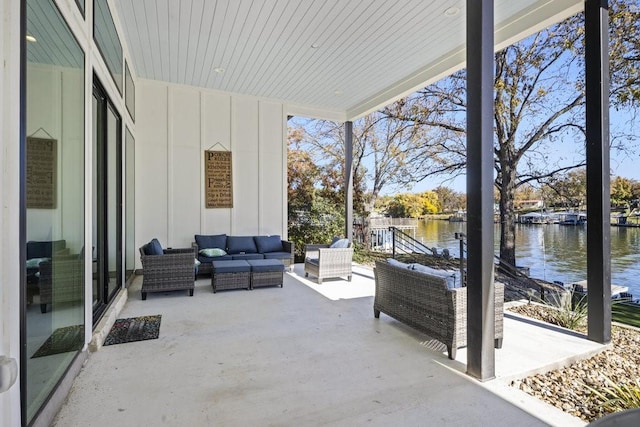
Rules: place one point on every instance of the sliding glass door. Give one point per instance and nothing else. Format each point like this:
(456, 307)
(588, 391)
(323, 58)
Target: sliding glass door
(107, 200)
(54, 173)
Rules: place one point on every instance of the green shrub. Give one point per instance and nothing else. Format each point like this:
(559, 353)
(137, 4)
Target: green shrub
(320, 223)
(568, 309)
(617, 397)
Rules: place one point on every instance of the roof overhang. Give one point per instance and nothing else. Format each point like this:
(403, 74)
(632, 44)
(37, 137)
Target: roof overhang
(336, 59)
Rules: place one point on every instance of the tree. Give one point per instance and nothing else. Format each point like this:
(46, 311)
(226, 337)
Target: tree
(318, 223)
(311, 217)
(430, 202)
(621, 192)
(302, 174)
(538, 105)
(381, 153)
(624, 48)
(413, 205)
(405, 205)
(568, 190)
(635, 189)
(450, 201)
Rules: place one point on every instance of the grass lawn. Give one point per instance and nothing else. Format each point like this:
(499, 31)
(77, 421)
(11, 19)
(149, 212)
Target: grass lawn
(628, 314)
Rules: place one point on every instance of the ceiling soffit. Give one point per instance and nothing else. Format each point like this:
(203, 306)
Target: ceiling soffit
(336, 59)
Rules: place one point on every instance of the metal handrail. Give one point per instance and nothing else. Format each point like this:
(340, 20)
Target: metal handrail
(400, 240)
(508, 269)
(406, 241)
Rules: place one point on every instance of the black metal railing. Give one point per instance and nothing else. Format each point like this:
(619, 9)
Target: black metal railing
(402, 243)
(504, 268)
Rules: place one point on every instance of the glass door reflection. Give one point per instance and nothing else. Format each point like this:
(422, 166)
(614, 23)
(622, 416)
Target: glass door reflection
(107, 201)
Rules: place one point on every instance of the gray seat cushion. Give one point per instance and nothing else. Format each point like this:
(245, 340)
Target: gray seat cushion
(265, 265)
(237, 266)
(247, 256)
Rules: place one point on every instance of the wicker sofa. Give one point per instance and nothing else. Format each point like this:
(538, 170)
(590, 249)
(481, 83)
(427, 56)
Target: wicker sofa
(425, 302)
(166, 269)
(241, 247)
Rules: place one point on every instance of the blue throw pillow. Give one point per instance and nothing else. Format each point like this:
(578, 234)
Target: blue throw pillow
(268, 243)
(211, 241)
(342, 243)
(239, 244)
(154, 247)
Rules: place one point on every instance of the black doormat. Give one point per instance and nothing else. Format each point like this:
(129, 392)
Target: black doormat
(62, 340)
(134, 329)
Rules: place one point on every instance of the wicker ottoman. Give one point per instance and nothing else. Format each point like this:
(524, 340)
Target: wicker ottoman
(233, 274)
(266, 272)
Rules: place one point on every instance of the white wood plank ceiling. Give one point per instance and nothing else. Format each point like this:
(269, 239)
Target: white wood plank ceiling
(341, 57)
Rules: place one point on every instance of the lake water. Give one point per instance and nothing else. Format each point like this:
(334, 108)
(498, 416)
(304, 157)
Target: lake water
(551, 251)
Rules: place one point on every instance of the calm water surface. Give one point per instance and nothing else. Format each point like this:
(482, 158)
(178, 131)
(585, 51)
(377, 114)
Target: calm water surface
(552, 251)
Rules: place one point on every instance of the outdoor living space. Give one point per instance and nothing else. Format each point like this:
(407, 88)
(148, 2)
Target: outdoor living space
(306, 354)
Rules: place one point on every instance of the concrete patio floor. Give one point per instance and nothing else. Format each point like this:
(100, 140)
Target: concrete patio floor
(305, 354)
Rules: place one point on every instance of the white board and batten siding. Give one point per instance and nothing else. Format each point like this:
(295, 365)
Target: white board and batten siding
(175, 125)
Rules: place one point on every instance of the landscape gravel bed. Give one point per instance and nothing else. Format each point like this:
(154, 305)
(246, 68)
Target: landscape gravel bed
(570, 388)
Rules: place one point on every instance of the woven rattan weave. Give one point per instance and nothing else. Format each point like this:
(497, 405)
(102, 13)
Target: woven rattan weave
(424, 302)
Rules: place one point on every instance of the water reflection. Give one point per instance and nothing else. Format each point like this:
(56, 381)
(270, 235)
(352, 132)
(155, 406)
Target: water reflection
(552, 251)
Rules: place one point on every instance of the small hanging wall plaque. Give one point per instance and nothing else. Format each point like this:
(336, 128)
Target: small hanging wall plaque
(218, 179)
(41, 173)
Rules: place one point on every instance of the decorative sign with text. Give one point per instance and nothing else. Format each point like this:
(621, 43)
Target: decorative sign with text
(218, 183)
(41, 173)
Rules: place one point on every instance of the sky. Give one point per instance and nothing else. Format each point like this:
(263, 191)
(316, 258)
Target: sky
(625, 163)
(622, 163)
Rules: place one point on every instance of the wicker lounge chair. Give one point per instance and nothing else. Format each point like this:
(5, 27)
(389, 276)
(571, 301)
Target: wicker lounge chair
(325, 262)
(171, 271)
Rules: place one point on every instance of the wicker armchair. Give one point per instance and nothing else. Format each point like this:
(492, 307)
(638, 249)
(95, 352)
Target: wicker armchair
(325, 262)
(61, 280)
(174, 270)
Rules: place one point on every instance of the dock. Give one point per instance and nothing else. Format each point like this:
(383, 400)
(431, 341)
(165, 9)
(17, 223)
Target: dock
(581, 286)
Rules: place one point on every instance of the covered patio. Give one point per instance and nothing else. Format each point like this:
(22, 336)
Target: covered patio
(306, 354)
(175, 80)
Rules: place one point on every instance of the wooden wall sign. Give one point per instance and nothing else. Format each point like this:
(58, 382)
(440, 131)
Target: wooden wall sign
(218, 179)
(41, 173)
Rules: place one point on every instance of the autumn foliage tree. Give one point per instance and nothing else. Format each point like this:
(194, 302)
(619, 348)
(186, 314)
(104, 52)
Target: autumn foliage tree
(621, 191)
(312, 217)
(413, 205)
